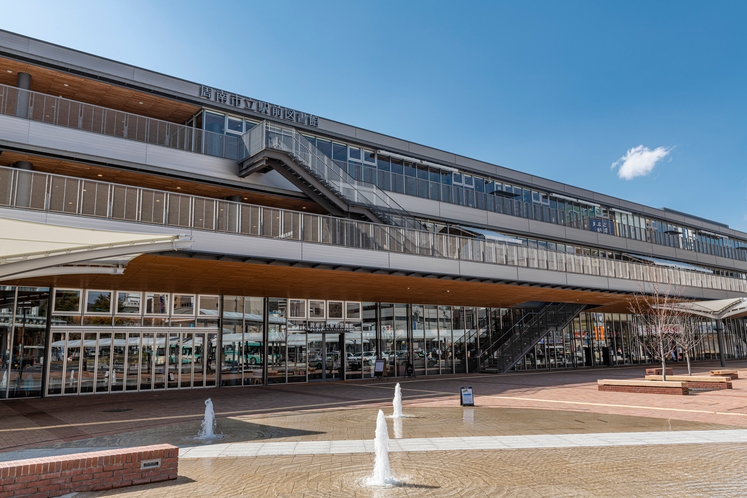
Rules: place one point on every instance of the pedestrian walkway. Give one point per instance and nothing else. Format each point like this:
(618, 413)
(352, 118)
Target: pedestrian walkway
(466, 443)
(530, 434)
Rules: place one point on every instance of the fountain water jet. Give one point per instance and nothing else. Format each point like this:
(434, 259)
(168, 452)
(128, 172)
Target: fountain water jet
(397, 428)
(397, 402)
(382, 474)
(207, 429)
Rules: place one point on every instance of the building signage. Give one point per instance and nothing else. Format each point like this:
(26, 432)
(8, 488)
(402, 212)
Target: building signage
(271, 110)
(602, 225)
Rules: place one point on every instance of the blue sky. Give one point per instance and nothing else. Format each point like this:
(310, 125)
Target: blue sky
(562, 90)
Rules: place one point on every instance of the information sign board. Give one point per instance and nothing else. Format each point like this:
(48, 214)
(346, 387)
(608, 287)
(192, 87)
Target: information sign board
(466, 398)
(379, 368)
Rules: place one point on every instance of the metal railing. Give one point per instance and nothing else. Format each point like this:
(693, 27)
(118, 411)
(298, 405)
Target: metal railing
(58, 111)
(68, 113)
(515, 343)
(75, 196)
(288, 140)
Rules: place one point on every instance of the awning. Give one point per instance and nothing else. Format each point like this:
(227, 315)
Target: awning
(36, 249)
(668, 263)
(717, 309)
(490, 235)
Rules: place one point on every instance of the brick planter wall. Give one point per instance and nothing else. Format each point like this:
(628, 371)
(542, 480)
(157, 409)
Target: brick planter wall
(646, 390)
(709, 385)
(94, 471)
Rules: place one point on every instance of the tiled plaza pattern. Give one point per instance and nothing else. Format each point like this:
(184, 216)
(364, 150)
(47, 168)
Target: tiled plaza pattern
(509, 405)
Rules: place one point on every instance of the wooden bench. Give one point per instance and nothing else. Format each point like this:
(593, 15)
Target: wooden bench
(644, 386)
(93, 471)
(732, 374)
(698, 382)
(657, 371)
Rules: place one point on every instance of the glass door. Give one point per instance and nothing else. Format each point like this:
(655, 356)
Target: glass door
(334, 349)
(324, 356)
(56, 365)
(132, 362)
(316, 354)
(103, 363)
(118, 361)
(72, 362)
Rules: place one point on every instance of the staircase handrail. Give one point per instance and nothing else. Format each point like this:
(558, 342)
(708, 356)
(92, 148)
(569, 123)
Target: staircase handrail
(511, 340)
(287, 139)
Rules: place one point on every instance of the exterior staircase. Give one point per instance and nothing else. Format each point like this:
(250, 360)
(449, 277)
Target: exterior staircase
(282, 148)
(517, 338)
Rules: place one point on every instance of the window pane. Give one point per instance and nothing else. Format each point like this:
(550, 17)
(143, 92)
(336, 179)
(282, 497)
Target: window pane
(235, 124)
(99, 302)
(353, 310)
(339, 152)
(156, 304)
(325, 146)
(215, 122)
(397, 166)
(334, 310)
(128, 303)
(184, 304)
(67, 300)
(209, 305)
(409, 169)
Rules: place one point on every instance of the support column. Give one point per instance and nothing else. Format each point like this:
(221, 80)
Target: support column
(379, 340)
(265, 337)
(23, 183)
(219, 345)
(721, 345)
(22, 102)
(47, 344)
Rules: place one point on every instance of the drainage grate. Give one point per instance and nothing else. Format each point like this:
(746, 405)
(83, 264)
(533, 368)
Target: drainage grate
(117, 410)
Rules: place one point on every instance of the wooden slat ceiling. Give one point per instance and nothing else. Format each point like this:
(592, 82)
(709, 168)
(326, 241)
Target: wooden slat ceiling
(193, 275)
(126, 177)
(95, 92)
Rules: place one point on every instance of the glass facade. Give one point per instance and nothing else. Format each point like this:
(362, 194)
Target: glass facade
(103, 341)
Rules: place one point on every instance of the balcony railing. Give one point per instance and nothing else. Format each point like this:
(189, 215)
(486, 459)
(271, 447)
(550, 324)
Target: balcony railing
(58, 111)
(79, 197)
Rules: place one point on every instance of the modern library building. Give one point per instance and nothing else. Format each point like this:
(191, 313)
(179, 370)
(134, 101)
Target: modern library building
(161, 234)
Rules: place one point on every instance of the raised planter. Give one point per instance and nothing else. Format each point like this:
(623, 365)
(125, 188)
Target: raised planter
(657, 371)
(698, 381)
(732, 374)
(93, 471)
(644, 386)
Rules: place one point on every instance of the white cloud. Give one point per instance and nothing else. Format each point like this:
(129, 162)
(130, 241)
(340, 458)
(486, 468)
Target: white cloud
(639, 161)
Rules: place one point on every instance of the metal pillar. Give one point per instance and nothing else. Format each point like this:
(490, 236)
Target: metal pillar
(22, 103)
(265, 335)
(23, 183)
(47, 344)
(721, 344)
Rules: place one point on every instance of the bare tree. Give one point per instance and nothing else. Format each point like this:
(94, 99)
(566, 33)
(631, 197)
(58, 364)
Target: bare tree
(658, 327)
(689, 336)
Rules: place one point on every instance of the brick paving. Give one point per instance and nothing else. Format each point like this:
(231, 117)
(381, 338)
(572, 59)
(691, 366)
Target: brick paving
(561, 402)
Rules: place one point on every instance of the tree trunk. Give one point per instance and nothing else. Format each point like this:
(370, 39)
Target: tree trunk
(687, 357)
(663, 361)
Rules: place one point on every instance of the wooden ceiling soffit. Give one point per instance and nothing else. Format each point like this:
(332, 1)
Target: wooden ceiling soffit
(209, 276)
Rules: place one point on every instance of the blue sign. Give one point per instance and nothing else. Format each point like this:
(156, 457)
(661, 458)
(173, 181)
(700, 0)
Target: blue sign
(602, 225)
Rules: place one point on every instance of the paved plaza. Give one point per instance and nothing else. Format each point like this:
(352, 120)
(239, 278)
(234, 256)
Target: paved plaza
(530, 434)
